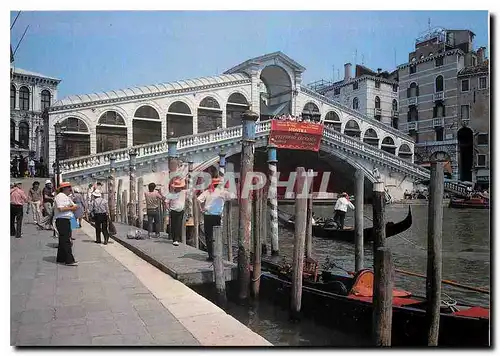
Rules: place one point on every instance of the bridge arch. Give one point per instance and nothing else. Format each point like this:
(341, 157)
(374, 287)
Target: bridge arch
(146, 125)
(404, 151)
(111, 132)
(311, 111)
(179, 119)
(76, 137)
(332, 119)
(209, 114)
(276, 96)
(370, 137)
(237, 103)
(352, 128)
(388, 145)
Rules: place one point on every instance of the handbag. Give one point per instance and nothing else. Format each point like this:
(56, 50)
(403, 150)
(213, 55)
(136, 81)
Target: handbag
(74, 223)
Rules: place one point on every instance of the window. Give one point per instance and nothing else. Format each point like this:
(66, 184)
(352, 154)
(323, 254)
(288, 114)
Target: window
(413, 59)
(482, 84)
(355, 86)
(474, 61)
(45, 99)
(421, 56)
(12, 97)
(464, 110)
(465, 85)
(355, 103)
(377, 102)
(336, 91)
(12, 130)
(413, 69)
(24, 134)
(394, 105)
(481, 160)
(439, 61)
(395, 88)
(438, 110)
(412, 91)
(439, 83)
(439, 134)
(482, 139)
(377, 84)
(412, 114)
(24, 98)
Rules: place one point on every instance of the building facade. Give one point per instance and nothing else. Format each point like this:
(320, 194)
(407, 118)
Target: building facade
(374, 94)
(430, 95)
(30, 94)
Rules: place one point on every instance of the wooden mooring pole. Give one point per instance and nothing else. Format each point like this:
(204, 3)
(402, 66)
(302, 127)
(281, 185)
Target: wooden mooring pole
(140, 200)
(309, 231)
(219, 275)
(434, 245)
(272, 203)
(112, 188)
(298, 247)
(383, 273)
(257, 249)
(245, 226)
(119, 201)
(359, 196)
(132, 205)
(189, 205)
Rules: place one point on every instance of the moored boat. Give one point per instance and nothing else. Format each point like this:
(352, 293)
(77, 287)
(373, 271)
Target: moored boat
(471, 203)
(326, 230)
(346, 302)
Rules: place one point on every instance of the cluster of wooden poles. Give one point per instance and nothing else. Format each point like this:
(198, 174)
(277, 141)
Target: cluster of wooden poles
(252, 236)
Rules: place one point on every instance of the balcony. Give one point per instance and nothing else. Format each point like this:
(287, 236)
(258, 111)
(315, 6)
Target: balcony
(438, 122)
(377, 111)
(395, 113)
(412, 101)
(438, 96)
(412, 126)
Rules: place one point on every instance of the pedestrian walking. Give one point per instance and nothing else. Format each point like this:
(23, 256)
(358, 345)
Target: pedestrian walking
(153, 200)
(99, 210)
(81, 203)
(212, 205)
(17, 200)
(176, 204)
(63, 212)
(35, 198)
(31, 167)
(48, 205)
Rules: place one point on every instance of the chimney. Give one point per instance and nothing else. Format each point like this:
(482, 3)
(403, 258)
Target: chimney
(347, 71)
(480, 55)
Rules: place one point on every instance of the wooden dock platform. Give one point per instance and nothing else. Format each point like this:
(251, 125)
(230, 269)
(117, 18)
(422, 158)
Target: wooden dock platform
(184, 263)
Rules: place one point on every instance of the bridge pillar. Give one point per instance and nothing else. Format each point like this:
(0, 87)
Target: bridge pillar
(132, 206)
(245, 227)
(358, 216)
(272, 202)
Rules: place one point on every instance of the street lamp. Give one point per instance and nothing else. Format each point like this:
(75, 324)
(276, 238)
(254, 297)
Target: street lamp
(59, 136)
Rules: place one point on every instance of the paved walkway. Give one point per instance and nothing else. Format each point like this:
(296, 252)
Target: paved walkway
(111, 298)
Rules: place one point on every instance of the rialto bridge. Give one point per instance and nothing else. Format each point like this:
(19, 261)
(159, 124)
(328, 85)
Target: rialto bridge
(204, 115)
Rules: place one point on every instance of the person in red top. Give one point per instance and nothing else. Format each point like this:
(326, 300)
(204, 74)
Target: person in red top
(17, 200)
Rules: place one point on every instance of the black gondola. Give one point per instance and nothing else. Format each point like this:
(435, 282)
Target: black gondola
(333, 302)
(327, 231)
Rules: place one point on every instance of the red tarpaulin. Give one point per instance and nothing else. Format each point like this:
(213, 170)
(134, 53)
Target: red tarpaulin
(294, 135)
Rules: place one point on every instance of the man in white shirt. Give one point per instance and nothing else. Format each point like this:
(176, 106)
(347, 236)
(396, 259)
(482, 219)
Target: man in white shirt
(63, 212)
(176, 203)
(341, 209)
(212, 201)
(31, 167)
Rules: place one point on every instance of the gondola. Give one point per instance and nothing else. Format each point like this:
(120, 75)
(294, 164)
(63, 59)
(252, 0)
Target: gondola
(472, 203)
(325, 229)
(345, 302)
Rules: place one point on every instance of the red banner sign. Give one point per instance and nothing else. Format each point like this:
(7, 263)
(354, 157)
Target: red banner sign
(295, 135)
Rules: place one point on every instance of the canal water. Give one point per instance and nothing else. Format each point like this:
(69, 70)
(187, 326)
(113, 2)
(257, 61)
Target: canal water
(466, 259)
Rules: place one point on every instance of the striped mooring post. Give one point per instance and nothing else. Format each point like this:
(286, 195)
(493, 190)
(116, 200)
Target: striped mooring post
(272, 202)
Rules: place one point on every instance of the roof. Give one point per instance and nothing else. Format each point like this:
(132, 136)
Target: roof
(265, 57)
(150, 89)
(479, 69)
(21, 71)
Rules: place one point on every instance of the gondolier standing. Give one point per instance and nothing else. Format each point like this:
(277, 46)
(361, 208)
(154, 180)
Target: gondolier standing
(341, 209)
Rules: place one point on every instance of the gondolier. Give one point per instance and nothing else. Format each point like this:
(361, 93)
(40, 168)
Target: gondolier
(341, 209)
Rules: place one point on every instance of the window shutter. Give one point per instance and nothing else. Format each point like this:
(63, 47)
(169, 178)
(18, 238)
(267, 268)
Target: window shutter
(409, 117)
(417, 90)
(444, 114)
(408, 93)
(434, 111)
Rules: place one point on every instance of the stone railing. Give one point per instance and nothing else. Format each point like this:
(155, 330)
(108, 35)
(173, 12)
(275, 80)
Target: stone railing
(231, 134)
(184, 143)
(356, 144)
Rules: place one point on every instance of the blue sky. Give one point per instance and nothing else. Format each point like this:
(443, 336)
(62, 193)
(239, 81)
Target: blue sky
(99, 51)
